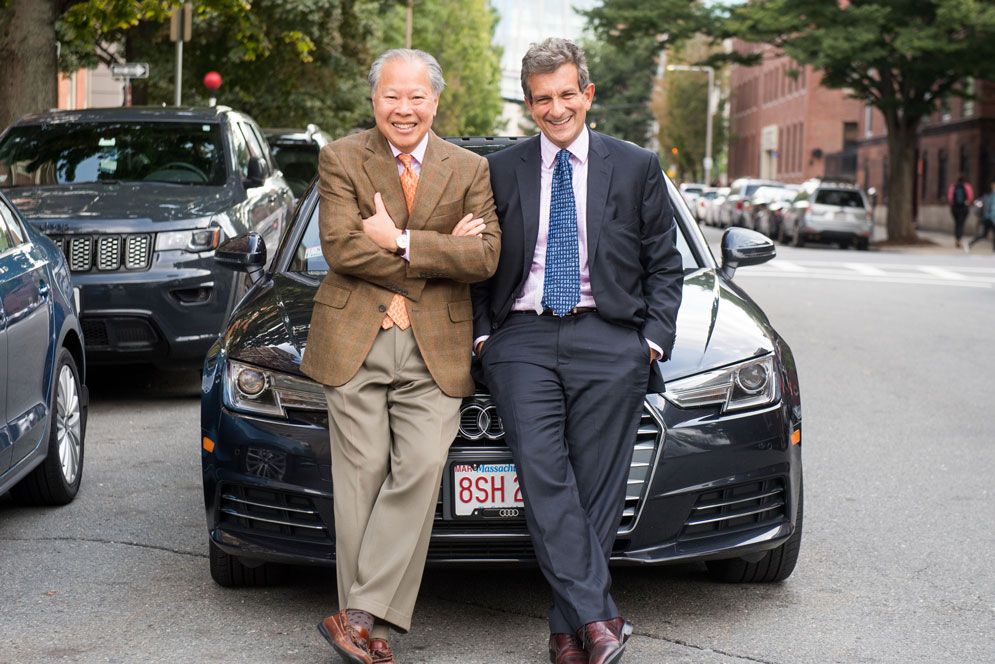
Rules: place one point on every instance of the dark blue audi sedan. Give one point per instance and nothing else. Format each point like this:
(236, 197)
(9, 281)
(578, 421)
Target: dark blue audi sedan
(716, 472)
(44, 398)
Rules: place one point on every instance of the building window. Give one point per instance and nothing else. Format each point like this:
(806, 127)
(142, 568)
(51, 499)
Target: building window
(963, 167)
(967, 110)
(849, 136)
(924, 175)
(941, 175)
(868, 121)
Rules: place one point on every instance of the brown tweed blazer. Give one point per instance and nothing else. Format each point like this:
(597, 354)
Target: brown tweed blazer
(353, 298)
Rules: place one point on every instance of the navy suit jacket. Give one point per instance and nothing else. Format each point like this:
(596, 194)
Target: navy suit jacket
(635, 268)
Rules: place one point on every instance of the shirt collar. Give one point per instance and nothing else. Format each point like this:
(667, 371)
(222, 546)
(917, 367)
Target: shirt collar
(418, 153)
(578, 149)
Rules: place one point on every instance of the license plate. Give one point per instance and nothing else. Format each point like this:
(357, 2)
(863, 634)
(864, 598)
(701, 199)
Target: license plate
(487, 491)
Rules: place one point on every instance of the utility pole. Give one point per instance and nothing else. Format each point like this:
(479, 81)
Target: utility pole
(407, 25)
(706, 162)
(180, 28)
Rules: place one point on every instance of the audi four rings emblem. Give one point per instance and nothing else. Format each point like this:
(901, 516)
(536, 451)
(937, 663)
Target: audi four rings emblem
(480, 420)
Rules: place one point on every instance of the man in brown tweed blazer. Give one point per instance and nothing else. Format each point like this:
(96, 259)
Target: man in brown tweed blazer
(407, 222)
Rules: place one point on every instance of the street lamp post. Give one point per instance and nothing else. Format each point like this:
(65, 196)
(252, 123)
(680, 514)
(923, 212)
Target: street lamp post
(706, 162)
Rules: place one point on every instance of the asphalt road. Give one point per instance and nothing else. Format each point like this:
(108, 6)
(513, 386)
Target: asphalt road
(896, 366)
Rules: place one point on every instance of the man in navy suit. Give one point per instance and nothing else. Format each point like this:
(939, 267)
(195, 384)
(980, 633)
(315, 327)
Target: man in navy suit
(569, 331)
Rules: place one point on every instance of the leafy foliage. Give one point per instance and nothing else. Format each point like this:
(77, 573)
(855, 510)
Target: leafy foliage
(623, 84)
(682, 109)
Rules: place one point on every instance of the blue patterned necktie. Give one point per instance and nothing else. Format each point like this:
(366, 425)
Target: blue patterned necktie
(561, 288)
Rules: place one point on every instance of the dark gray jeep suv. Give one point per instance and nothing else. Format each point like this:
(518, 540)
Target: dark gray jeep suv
(138, 199)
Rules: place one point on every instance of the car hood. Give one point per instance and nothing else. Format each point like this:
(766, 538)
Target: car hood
(75, 207)
(717, 325)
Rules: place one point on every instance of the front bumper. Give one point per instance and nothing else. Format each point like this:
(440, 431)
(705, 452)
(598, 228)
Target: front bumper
(702, 486)
(167, 315)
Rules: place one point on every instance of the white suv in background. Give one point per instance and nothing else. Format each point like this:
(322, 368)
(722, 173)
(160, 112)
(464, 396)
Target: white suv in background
(828, 211)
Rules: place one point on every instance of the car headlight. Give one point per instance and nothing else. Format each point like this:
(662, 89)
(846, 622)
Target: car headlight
(749, 384)
(203, 239)
(256, 390)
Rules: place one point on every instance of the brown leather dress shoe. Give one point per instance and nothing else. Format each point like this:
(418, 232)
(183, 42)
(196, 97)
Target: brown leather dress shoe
(602, 642)
(380, 652)
(351, 642)
(566, 649)
(622, 628)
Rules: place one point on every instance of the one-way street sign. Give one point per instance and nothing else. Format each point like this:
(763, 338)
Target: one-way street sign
(130, 70)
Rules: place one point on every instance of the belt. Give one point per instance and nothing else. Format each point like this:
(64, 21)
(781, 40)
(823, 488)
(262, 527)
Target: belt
(549, 312)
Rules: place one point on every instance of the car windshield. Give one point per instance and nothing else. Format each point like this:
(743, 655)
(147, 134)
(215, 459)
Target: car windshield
(187, 153)
(299, 163)
(839, 197)
(307, 257)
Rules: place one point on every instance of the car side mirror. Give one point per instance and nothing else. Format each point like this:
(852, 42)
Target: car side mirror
(243, 253)
(742, 247)
(257, 172)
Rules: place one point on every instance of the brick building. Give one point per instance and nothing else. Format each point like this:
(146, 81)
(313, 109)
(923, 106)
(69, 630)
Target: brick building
(960, 138)
(788, 128)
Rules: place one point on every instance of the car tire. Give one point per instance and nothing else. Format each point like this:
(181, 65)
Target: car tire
(230, 572)
(782, 236)
(775, 565)
(56, 480)
(863, 244)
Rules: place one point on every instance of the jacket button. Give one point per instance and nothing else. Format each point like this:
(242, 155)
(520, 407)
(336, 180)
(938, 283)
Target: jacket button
(382, 308)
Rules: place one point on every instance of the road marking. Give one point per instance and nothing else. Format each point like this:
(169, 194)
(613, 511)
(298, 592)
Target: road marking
(889, 273)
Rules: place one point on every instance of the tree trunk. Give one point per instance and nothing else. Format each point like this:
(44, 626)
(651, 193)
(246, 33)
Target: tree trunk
(901, 181)
(29, 67)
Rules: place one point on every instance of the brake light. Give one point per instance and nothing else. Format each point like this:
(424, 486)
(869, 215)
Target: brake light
(739, 205)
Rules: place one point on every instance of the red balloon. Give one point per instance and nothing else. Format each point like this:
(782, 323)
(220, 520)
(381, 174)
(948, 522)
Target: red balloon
(212, 80)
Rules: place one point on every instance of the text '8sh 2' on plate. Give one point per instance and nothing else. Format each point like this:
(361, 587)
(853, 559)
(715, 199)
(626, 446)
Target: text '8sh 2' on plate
(486, 491)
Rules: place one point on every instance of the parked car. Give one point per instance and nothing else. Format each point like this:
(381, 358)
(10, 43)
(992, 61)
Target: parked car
(690, 191)
(701, 203)
(713, 208)
(716, 474)
(766, 207)
(139, 199)
(42, 368)
(296, 153)
(731, 212)
(828, 211)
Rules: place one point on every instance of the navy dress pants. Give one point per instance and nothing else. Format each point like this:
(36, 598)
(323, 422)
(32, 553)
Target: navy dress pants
(570, 391)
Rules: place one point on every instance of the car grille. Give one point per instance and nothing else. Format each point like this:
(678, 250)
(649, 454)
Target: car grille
(106, 252)
(736, 508)
(272, 512)
(648, 437)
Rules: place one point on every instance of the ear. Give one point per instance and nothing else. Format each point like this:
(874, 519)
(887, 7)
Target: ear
(589, 94)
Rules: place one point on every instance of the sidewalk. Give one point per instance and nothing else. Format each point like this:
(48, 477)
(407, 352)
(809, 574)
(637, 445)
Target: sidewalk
(940, 242)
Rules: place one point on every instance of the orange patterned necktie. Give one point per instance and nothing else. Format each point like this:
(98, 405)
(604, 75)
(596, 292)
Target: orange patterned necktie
(397, 312)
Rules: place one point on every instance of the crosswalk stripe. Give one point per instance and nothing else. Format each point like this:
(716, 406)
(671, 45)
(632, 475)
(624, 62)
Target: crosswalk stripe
(941, 272)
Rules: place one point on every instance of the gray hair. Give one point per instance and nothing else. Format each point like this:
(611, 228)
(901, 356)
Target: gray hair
(410, 55)
(549, 55)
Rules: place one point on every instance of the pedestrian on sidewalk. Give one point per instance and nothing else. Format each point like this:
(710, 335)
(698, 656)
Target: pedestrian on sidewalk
(959, 196)
(987, 219)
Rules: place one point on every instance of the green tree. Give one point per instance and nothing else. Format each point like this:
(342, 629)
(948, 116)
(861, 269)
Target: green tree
(284, 62)
(903, 57)
(458, 33)
(623, 85)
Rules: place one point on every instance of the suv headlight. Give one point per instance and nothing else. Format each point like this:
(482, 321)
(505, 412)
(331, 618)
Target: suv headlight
(749, 384)
(203, 239)
(252, 389)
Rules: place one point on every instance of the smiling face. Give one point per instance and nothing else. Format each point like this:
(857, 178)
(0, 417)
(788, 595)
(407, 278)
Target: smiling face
(559, 107)
(403, 103)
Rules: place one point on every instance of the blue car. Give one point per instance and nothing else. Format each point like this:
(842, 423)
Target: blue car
(44, 398)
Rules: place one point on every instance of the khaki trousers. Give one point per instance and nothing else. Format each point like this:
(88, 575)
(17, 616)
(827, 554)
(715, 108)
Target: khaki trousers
(390, 429)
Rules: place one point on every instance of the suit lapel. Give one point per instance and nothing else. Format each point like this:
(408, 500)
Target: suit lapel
(529, 175)
(381, 168)
(435, 174)
(599, 175)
